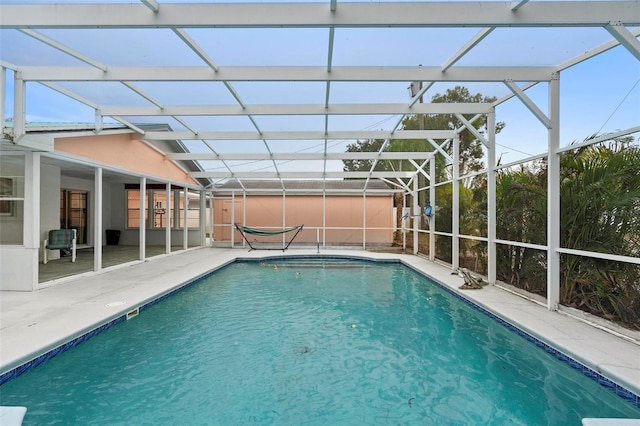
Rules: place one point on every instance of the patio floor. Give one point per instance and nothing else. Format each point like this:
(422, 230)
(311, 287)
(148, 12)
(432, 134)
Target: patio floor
(111, 256)
(35, 322)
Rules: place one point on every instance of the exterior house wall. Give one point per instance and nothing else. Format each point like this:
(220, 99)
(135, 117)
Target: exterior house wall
(18, 268)
(343, 212)
(18, 253)
(126, 151)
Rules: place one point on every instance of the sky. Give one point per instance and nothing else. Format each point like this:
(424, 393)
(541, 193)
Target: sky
(597, 96)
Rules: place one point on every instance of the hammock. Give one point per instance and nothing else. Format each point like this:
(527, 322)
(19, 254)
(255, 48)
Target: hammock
(244, 230)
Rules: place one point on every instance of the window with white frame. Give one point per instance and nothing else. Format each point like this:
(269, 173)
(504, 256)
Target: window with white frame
(162, 209)
(12, 183)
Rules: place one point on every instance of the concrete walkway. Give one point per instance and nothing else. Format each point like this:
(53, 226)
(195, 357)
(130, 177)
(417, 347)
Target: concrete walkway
(32, 323)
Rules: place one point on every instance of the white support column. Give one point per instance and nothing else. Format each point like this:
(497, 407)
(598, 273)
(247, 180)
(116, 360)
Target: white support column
(99, 122)
(143, 222)
(185, 211)
(244, 215)
(553, 197)
(97, 223)
(233, 218)
(415, 208)
(324, 219)
(491, 199)
(404, 233)
(455, 219)
(432, 200)
(3, 92)
(203, 217)
(211, 217)
(364, 220)
(31, 225)
(19, 109)
(169, 218)
(284, 216)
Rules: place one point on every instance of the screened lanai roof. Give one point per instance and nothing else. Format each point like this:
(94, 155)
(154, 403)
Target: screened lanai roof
(279, 90)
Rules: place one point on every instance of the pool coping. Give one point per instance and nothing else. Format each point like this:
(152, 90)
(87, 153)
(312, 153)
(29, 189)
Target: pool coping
(608, 376)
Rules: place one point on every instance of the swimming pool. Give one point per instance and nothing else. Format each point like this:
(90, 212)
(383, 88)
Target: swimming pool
(316, 342)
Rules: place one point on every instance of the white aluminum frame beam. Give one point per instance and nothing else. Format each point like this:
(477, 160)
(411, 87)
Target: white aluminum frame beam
(282, 15)
(151, 4)
(98, 201)
(70, 94)
(553, 199)
(305, 156)
(302, 135)
(296, 109)
(515, 5)
(169, 219)
(19, 107)
(455, 206)
(143, 94)
(625, 37)
(601, 138)
(531, 106)
(288, 73)
(142, 227)
(3, 91)
(196, 49)
(572, 62)
(129, 125)
(59, 46)
(491, 199)
(300, 175)
(466, 48)
(467, 124)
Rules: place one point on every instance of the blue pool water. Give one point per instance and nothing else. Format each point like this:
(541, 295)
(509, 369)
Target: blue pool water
(310, 342)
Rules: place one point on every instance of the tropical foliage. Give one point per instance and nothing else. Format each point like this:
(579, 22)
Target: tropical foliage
(599, 212)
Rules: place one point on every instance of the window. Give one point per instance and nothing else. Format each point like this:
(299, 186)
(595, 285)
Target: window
(7, 193)
(133, 209)
(193, 209)
(12, 199)
(157, 204)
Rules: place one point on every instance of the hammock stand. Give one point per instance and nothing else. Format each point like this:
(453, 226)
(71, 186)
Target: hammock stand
(265, 233)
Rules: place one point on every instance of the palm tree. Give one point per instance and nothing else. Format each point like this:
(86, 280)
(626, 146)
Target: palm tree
(600, 206)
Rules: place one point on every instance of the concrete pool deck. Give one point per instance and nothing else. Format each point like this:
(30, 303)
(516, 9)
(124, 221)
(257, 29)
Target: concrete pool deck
(32, 323)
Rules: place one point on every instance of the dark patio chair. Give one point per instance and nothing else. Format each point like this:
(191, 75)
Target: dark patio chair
(61, 239)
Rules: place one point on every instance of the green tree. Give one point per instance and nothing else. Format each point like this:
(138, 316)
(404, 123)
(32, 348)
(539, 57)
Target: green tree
(369, 145)
(471, 158)
(471, 151)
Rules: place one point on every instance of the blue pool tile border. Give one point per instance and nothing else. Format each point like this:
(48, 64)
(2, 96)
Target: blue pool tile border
(619, 390)
(23, 368)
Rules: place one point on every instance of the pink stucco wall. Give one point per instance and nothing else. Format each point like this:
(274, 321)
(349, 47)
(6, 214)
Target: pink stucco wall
(342, 211)
(125, 151)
